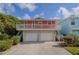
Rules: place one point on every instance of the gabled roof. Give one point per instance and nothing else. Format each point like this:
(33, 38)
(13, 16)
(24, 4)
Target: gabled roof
(39, 19)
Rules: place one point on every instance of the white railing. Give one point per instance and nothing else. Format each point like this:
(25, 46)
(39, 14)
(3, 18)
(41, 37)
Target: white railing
(34, 26)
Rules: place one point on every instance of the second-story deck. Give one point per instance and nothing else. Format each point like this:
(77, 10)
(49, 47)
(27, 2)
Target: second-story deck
(35, 27)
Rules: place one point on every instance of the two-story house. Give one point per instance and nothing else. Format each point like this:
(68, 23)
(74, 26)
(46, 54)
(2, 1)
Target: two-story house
(70, 25)
(38, 29)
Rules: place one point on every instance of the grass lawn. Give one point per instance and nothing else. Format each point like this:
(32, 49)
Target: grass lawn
(73, 50)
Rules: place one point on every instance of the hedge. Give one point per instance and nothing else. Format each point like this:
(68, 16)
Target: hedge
(5, 44)
(7, 41)
(3, 36)
(72, 39)
(16, 40)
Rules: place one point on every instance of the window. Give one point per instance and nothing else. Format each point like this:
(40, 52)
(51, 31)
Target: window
(72, 18)
(72, 22)
(49, 22)
(39, 22)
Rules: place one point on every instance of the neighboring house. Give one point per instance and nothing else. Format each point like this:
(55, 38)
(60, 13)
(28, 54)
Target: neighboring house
(38, 29)
(70, 25)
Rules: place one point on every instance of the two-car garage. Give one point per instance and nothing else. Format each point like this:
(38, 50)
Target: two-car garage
(38, 36)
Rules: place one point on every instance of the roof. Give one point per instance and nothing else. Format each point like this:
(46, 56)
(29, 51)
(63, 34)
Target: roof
(69, 18)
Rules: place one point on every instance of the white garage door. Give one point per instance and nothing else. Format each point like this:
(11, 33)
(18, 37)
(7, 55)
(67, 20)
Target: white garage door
(47, 36)
(38, 36)
(30, 36)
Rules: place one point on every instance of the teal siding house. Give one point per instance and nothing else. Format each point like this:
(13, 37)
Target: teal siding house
(70, 25)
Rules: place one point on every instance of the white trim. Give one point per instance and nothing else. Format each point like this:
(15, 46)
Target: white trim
(37, 29)
(75, 28)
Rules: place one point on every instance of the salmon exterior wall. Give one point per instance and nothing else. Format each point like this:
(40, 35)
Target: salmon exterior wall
(29, 23)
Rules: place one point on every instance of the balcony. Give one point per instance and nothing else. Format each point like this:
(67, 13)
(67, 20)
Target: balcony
(35, 27)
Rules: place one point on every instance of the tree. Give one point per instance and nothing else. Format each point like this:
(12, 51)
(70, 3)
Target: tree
(8, 24)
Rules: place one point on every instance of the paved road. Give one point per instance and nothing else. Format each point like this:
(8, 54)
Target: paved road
(38, 48)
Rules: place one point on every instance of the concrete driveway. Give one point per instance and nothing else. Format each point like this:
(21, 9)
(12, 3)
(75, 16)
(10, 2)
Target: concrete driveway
(37, 48)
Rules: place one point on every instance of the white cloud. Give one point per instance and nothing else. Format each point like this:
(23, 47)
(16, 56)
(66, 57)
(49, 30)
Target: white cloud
(42, 14)
(26, 17)
(64, 12)
(55, 18)
(2, 8)
(76, 11)
(6, 8)
(39, 15)
(29, 6)
(36, 16)
(10, 8)
(19, 18)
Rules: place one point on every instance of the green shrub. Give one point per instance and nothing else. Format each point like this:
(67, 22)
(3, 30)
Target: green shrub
(5, 44)
(68, 39)
(76, 40)
(3, 36)
(9, 43)
(16, 40)
(73, 39)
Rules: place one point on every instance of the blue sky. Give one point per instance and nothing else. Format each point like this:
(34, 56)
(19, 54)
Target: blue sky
(45, 10)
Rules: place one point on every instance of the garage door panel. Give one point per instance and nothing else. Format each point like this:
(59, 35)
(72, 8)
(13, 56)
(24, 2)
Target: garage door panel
(30, 36)
(46, 36)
